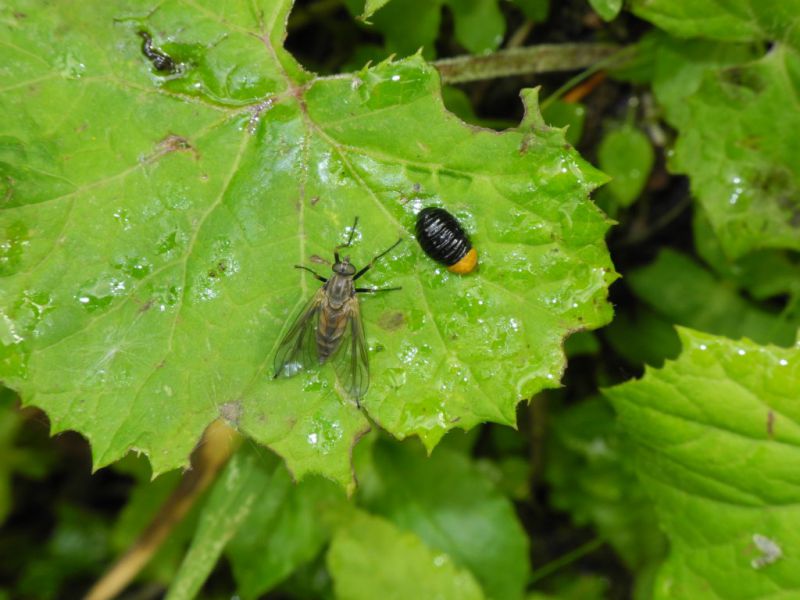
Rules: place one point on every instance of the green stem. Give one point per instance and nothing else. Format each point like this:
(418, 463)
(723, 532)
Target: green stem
(566, 559)
(543, 58)
(602, 63)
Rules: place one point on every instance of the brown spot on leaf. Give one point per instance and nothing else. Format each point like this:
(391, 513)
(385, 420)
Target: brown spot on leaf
(172, 143)
(314, 200)
(392, 320)
(770, 423)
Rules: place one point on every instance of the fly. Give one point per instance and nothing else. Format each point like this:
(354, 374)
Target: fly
(329, 327)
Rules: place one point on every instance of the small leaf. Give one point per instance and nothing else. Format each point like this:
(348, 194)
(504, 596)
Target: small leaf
(607, 9)
(716, 445)
(370, 558)
(452, 506)
(627, 155)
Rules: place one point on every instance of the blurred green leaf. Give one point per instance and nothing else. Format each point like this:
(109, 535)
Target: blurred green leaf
(77, 548)
(581, 343)
(288, 526)
(411, 25)
(479, 24)
(144, 502)
(716, 444)
(371, 7)
(371, 558)
(682, 290)
(642, 336)
(763, 274)
(566, 114)
(591, 479)
(454, 508)
(627, 156)
(236, 494)
(729, 20)
(536, 10)
(15, 458)
(608, 9)
(735, 139)
(155, 220)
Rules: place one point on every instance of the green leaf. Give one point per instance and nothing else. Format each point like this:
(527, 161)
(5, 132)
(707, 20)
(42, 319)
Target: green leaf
(591, 479)
(642, 336)
(143, 504)
(17, 458)
(566, 114)
(729, 20)
(735, 141)
(762, 274)
(716, 446)
(371, 7)
(535, 10)
(287, 528)
(454, 508)
(236, 494)
(626, 154)
(370, 558)
(410, 25)
(479, 24)
(679, 288)
(607, 9)
(267, 525)
(157, 220)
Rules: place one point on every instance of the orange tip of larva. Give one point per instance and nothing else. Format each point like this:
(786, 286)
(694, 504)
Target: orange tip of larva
(466, 265)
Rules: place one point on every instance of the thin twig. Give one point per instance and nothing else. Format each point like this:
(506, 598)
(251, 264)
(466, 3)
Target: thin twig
(544, 58)
(216, 447)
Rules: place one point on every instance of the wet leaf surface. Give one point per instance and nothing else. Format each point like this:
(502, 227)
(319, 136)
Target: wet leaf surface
(716, 442)
(153, 220)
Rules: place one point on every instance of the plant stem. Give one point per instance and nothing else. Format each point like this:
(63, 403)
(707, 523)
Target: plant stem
(566, 559)
(543, 58)
(215, 448)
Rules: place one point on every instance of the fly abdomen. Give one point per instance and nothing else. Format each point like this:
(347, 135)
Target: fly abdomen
(331, 328)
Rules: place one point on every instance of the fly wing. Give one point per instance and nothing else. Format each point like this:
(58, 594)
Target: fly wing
(351, 362)
(298, 348)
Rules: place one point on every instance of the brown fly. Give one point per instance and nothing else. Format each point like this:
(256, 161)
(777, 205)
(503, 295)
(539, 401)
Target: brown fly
(329, 327)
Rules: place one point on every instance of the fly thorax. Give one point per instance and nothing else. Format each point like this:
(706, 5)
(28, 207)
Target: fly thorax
(339, 290)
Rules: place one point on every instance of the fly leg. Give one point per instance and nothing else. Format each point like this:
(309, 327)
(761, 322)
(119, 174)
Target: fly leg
(374, 290)
(349, 241)
(314, 273)
(374, 260)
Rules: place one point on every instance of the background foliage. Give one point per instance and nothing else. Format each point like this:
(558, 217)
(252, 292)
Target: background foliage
(149, 222)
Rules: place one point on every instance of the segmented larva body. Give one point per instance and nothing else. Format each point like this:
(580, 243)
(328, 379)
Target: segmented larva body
(444, 240)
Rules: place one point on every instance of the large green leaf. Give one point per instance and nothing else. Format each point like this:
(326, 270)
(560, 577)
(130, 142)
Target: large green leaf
(153, 222)
(731, 20)
(454, 508)
(371, 558)
(717, 446)
(736, 141)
